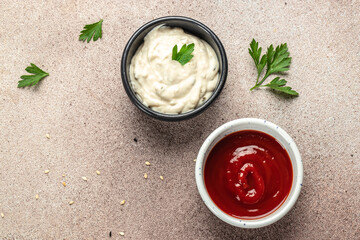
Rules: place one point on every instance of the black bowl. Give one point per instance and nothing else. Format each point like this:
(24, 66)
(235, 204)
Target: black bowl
(191, 26)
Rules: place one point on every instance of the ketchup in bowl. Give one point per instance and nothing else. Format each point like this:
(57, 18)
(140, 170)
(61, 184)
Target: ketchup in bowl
(248, 174)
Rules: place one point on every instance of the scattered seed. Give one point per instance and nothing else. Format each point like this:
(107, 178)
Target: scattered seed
(161, 177)
(2, 215)
(46, 171)
(37, 196)
(71, 202)
(64, 184)
(122, 233)
(122, 202)
(97, 172)
(48, 136)
(145, 175)
(63, 175)
(84, 178)
(195, 160)
(147, 163)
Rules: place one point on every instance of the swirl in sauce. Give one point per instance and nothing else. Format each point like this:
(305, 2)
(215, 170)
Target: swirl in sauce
(248, 174)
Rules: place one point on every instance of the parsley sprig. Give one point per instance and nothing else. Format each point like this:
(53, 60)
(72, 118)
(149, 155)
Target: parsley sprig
(276, 61)
(30, 80)
(184, 55)
(91, 31)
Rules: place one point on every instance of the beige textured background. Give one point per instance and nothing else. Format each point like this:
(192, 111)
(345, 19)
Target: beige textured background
(92, 123)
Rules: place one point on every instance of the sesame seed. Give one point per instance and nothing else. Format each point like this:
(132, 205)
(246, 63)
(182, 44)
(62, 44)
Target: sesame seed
(147, 163)
(64, 184)
(2, 215)
(145, 175)
(46, 171)
(122, 233)
(84, 178)
(97, 172)
(161, 177)
(122, 202)
(37, 196)
(71, 202)
(48, 136)
(63, 175)
(195, 160)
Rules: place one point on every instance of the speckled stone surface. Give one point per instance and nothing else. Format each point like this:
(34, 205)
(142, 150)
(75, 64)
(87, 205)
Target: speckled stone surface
(92, 123)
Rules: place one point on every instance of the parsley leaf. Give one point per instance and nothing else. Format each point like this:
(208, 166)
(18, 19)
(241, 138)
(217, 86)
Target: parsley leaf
(30, 80)
(184, 55)
(277, 61)
(91, 30)
(278, 85)
(255, 53)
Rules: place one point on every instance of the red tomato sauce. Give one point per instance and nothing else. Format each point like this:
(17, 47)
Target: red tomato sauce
(248, 174)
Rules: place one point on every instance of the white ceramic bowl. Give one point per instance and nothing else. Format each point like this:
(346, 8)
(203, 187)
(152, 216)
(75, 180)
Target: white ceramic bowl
(283, 138)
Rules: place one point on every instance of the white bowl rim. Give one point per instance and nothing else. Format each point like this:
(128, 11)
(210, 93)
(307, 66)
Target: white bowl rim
(272, 217)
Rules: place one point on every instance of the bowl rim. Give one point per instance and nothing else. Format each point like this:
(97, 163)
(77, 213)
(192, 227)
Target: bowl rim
(182, 116)
(297, 179)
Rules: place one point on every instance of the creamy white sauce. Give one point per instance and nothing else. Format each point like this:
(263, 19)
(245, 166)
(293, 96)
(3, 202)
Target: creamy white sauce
(164, 84)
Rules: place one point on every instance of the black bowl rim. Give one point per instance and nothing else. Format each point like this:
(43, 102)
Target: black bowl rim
(181, 116)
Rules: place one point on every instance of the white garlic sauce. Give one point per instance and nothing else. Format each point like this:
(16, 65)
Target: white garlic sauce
(164, 84)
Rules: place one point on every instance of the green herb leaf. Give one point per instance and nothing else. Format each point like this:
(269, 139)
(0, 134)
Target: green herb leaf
(30, 80)
(184, 55)
(278, 85)
(277, 61)
(255, 53)
(278, 82)
(91, 31)
(286, 90)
